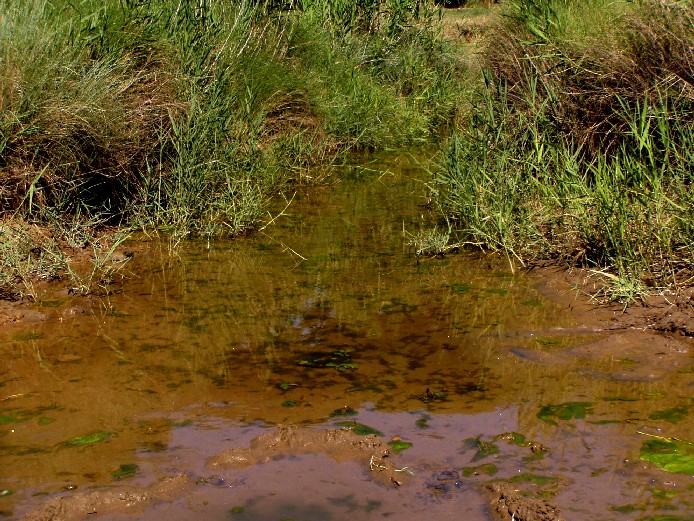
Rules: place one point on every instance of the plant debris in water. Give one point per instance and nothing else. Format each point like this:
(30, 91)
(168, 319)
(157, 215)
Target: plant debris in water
(340, 359)
(125, 471)
(360, 429)
(488, 469)
(95, 437)
(671, 455)
(428, 396)
(673, 415)
(397, 445)
(482, 448)
(344, 411)
(564, 411)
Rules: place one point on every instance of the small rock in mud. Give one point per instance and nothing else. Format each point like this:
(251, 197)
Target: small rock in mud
(507, 504)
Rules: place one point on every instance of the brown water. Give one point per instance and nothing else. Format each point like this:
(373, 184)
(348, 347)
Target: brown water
(324, 317)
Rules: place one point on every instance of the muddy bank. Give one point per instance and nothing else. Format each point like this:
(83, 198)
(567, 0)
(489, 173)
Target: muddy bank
(580, 291)
(115, 500)
(283, 443)
(507, 503)
(339, 444)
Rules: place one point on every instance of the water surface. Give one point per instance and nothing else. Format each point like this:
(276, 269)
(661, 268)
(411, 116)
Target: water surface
(327, 316)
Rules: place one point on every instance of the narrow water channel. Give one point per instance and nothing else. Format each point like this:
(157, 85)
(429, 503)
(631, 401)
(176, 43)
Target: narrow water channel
(326, 319)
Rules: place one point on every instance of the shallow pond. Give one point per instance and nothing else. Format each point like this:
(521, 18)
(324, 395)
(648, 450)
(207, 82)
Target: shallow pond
(327, 319)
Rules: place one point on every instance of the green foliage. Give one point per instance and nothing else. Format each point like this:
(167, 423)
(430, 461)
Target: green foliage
(186, 115)
(360, 429)
(673, 414)
(89, 439)
(397, 446)
(482, 448)
(578, 147)
(488, 469)
(669, 455)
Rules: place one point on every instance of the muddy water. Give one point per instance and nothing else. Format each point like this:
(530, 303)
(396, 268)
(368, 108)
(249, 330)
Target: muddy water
(326, 319)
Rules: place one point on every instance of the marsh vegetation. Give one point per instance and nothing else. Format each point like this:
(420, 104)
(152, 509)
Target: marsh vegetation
(565, 127)
(579, 143)
(188, 117)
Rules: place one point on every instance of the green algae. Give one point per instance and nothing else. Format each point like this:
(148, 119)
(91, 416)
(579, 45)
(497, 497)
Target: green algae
(669, 455)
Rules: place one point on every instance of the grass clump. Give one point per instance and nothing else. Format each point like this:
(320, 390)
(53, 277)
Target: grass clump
(187, 116)
(581, 140)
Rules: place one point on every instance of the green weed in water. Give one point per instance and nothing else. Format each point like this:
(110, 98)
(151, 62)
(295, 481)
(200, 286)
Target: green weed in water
(289, 403)
(673, 415)
(488, 469)
(125, 471)
(422, 423)
(671, 456)
(95, 437)
(659, 493)
(625, 509)
(237, 510)
(285, 386)
(428, 396)
(620, 399)
(533, 303)
(482, 448)
(515, 438)
(25, 337)
(462, 288)
(6, 492)
(565, 411)
(344, 411)
(398, 446)
(665, 518)
(340, 360)
(360, 429)
(535, 479)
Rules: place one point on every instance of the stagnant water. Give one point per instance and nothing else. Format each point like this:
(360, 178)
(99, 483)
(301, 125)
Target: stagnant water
(327, 317)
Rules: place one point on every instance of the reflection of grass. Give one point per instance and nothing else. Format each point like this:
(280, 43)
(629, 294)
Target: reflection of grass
(26, 336)
(673, 415)
(340, 359)
(565, 411)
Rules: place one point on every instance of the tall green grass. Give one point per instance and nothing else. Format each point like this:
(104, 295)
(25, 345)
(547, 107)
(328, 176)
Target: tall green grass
(188, 115)
(575, 154)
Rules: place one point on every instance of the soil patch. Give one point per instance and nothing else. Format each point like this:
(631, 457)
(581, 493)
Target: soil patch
(579, 290)
(507, 504)
(340, 444)
(117, 500)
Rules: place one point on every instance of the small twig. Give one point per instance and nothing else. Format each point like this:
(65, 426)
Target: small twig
(273, 219)
(665, 438)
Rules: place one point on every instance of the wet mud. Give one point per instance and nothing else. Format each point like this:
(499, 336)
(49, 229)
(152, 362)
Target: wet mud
(118, 500)
(507, 504)
(320, 370)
